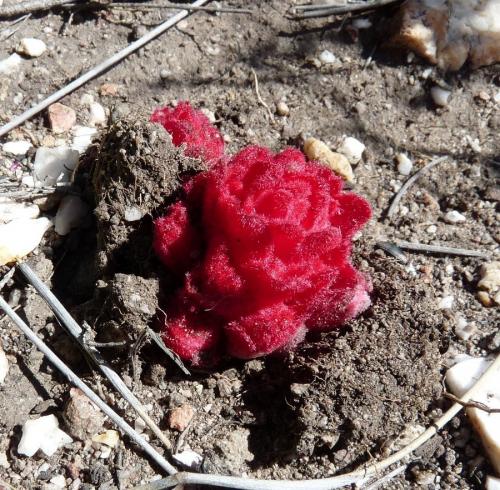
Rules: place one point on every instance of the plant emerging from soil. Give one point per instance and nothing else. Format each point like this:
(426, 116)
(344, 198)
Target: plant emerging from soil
(261, 243)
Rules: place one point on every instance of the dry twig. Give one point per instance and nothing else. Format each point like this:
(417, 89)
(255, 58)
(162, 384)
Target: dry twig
(32, 6)
(259, 98)
(325, 10)
(177, 6)
(104, 66)
(409, 182)
(440, 249)
(76, 381)
(77, 333)
(471, 404)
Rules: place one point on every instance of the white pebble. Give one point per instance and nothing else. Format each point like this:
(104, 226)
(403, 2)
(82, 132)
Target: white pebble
(464, 330)
(327, 57)
(109, 438)
(82, 138)
(496, 97)
(10, 65)
(55, 165)
(4, 365)
(210, 114)
(405, 165)
(431, 229)
(460, 378)
(42, 433)
(352, 148)
(87, 100)
(70, 214)
(446, 303)
(97, 114)
(32, 47)
(492, 483)
(440, 96)
(188, 458)
(17, 148)
(133, 213)
(454, 217)
(20, 237)
(361, 23)
(58, 482)
(10, 210)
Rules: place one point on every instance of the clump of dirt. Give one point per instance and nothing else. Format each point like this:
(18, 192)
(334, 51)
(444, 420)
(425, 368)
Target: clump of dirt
(135, 175)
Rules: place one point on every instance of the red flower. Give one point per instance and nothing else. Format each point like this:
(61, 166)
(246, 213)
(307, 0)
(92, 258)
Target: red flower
(192, 128)
(263, 242)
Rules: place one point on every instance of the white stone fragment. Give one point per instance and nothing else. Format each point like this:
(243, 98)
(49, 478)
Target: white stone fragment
(82, 138)
(446, 303)
(440, 96)
(4, 462)
(454, 217)
(70, 214)
(55, 165)
(10, 65)
(32, 47)
(492, 483)
(58, 482)
(17, 148)
(496, 97)
(405, 165)
(4, 365)
(109, 438)
(20, 237)
(44, 434)
(87, 99)
(133, 213)
(361, 23)
(409, 434)
(464, 330)
(97, 114)
(10, 210)
(188, 458)
(327, 57)
(352, 148)
(460, 378)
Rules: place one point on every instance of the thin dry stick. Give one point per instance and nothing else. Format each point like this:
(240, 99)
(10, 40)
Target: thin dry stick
(7, 277)
(77, 333)
(440, 249)
(309, 11)
(75, 380)
(32, 6)
(356, 476)
(409, 182)
(472, 404)
(177, 6)
(386, 478)
(259, 98)
(113, 60)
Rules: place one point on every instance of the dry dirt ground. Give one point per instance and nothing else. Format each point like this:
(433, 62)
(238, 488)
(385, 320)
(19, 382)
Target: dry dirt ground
(341, 399)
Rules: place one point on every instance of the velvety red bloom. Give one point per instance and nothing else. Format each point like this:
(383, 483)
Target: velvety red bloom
(263, 242)
(193, 129)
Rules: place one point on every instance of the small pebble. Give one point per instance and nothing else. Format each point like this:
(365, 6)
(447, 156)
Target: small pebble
(440, 96)
(83, 418)
(87, 99)
(109, 90)
(352, 148)
(109, 438)
(164, 74)
(55, 165)
(446, 303)
(490, 281)
(61, 118)
(82, 138)
(188, 458)
(282, 109)
(4, 365)
(44, 434)
(180, 417)
(327, 57)
(318, 151)
(492, 483)
(496, 97)
(97, 115)
(10, 65)
(18, 148)
(484, 298)
(32, 47)
(454, 217)
(431, 229)
(464, 330)
(70, 214)
(20, 237)
(405, 165)
(133, 213)
(210, 114)
(58, 482)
